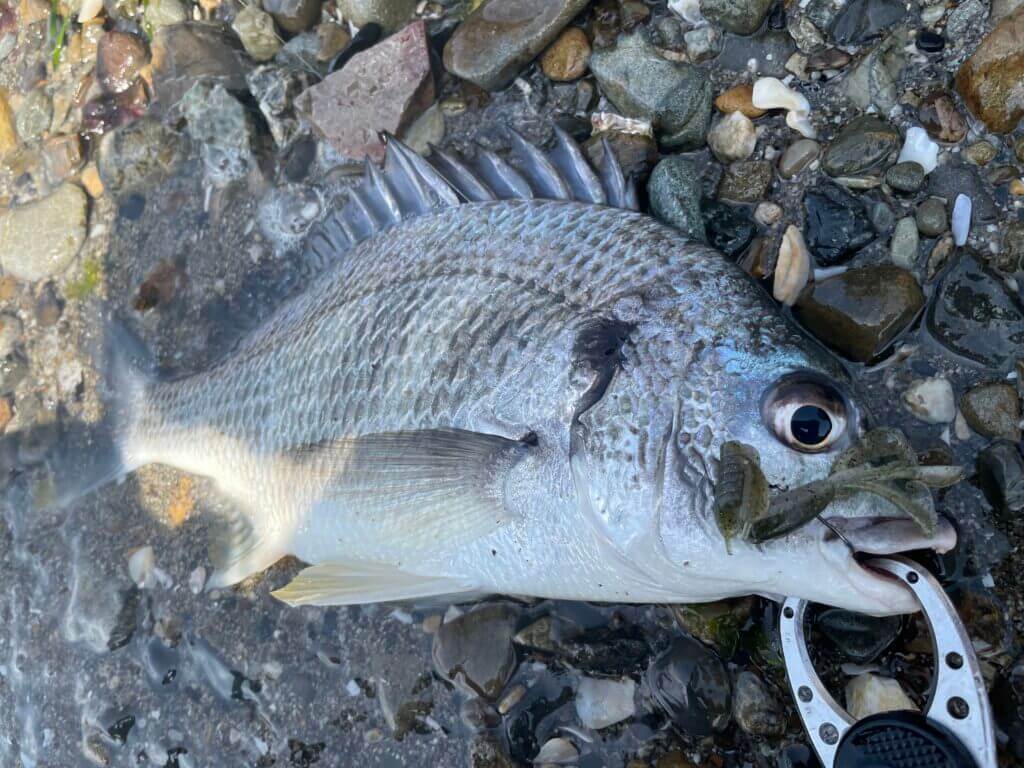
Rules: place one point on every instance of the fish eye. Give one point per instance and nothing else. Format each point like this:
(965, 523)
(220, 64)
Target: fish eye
(806, 414)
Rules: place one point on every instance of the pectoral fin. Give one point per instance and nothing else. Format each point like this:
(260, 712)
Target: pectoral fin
(358, 583)
(238, 550)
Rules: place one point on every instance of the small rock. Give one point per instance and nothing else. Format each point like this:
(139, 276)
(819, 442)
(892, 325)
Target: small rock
(920, 149)
(138, 155)
(756, 710)
(119, 58)
(426, 130)
(703, 43)
(981, 152)
(805, 34)
(557, 752)
(600, 703)
(690, 685)
(993, 411)
(474, 651)
(142, 567)
(390, 14)
(275, 90)
(836, 225)
(675, 97)
(675, 191)
(738, 99)
(931, 217)
(905, 177)
(185, 53)
(741, 17)
(859, 312)
(220, 124)
(10, 333)
(831, 58)
(745, 181)
(952, 179)
(862, 20)
(931, 400)
(294, 16)
(991, 81)
(48, 306)
(865, 144)
(501, 37)
(903, 248)
(965, 18)
(772, 93)
(798, 156)
(8, 134)
(1001, 477)
(872, 82)
(768, 214)
(1011, 257)
(732, 137)
(332, 39)
(566, 58)
(41, 239)
(728, 229)
(882, 217)
(860, 638)
(112, 110)
(372, 94)
(255, 28)
(941, 118)
(868, 694)
(196, 582)
(62, 157)
(34, 115)
(637, 154)
(164, 13)
(793, 267)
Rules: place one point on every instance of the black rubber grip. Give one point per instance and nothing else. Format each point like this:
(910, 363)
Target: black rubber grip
(901, 740)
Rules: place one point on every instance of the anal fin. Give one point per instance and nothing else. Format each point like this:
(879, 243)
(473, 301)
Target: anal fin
(359, 583)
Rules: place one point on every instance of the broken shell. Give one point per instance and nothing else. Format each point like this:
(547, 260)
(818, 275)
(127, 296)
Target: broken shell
(141, 565)
(772, 93)
(609, 121)
(90, 10)
(801, 123)
(793, 268)
(920, 149)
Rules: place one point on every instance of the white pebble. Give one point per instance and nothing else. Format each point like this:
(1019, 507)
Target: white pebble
(557, 752)
(689, 10)
(870, 694)
(961, 218)
(197, 580)
(793, 267)
(919, 148)
(601, 703)
(772, 93)
(768, 213)
(931, 400)
(732, 137)
(90, 10)
(141, 567)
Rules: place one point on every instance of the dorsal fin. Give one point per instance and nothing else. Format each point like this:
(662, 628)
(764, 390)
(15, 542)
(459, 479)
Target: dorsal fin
(410, 185)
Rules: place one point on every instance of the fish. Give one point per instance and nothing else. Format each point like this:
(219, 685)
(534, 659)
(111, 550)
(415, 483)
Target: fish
(505, 378)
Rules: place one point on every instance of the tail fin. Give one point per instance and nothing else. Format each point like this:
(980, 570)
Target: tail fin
(88, 456)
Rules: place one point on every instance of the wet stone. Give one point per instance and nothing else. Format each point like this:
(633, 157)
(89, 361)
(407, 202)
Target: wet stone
(980, 152)
(255, 29)
(62, 157)
(837, 225)
(873, 80)
(636, 153)
(349, 108)
(703, 43)
(965, 18)
(390, 14)
(185, 53)
(566, 58)
(34, 115)
(865, 144)
(883, 219)
(275, 89)
(10, 332)
(931, 217)
(745, 181)
(770, 48)
(991, 81)
(859, 312)
(675, 191)
(675, 97)
(113, 110)
(860, 638)
(993, 410)
(48, 307)
(163, 13)
(755, 708)
(905, 177)
(219, 123)
(732, 137)
(138, 155)
(739, 98)
(502, 36)
(729, 230)
(1001, 477)
(798, 156)
(293, 16)
(903, 248)
(475, 650)
(41, 239)
(941, 118)
(600, 702)
(742, 17)
(1011, 257)
(691, 686)
(976, 316)
(119, 58)
(863, 20)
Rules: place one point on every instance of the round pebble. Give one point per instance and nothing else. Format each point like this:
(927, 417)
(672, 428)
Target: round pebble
(798, 156)
(566, 58)
(931, 217)
(905, 177)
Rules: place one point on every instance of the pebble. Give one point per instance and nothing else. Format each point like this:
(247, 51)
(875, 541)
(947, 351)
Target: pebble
(952, 179)
(905, 176)
(10, 333)
(62, 157)
(637, 153)
(903, 247)
(741, 17)
(965, 18)
(883, 218)
(798, 156)
(745, 181)
(872, 81)
(860, 638)
(255, 28)
(142, 567)
(961, 219)
(993, 411)
(976, 316)
(372, 94)
(390, 14)
(1011, 255)
(703, 43)
(738, 99)
(768, 214)
(864, 145)
(331, 39)
(868, 694)
(805, 34)
(674, 96)
(931, 400)
(991, 81)
(931, 217)
(836, 225)
(600, 703)
(793, 267)
(138, 155)
(40, 240)
(1001, 477)
(861, 20)
(34, 115)
(275, 90)
(474, 651)
(119, 58)
(674, 190)
(732, 137)
(559, 751)
(940, 117)
(728, 229)
(8, 133)
(980, 152)
(164, 13)
(691, 686)
(566, 58)
(48, 307)
(920, 149)
(755, 708)
(294, 16)
(499, 38)
(221, 125)
(197, 580)
(185, 53)
(859, 312)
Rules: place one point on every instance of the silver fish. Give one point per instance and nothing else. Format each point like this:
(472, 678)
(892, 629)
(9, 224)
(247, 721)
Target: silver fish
(505, 381)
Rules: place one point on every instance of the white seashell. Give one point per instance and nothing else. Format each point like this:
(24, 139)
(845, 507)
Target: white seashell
(961, 218)
(801, 123)
(793, 267)
(141, 567)
(688, 9)
(919, 148)
(90, 10)
(772, 93)
(558, 752)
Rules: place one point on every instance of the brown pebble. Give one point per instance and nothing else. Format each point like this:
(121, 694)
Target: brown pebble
(566, 58)
(739, 98)
(8, 136)
(90, 178)
(940, 117)
(6, 412)
(332, 39)
(1017, 188)
(119, 58)
(8, 288)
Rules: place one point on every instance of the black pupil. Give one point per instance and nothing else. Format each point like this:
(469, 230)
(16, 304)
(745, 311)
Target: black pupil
(810, 424)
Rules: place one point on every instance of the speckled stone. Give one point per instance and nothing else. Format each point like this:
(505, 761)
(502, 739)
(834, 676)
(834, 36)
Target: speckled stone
(865, 144)
(991, 81)
(907, 176)
(745, 181)
(566, 58)
(742, 17)
(931, 217)
(41, 239)
(675, 191)
(798, 156)
(993, 410)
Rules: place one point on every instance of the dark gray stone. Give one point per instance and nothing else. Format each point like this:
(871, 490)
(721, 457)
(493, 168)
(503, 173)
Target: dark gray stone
(862, 20)
(744, 17)
(866, 144)
(931, 217)
(690, 685)
(675, 191)
(837, 225)
(905, 177)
